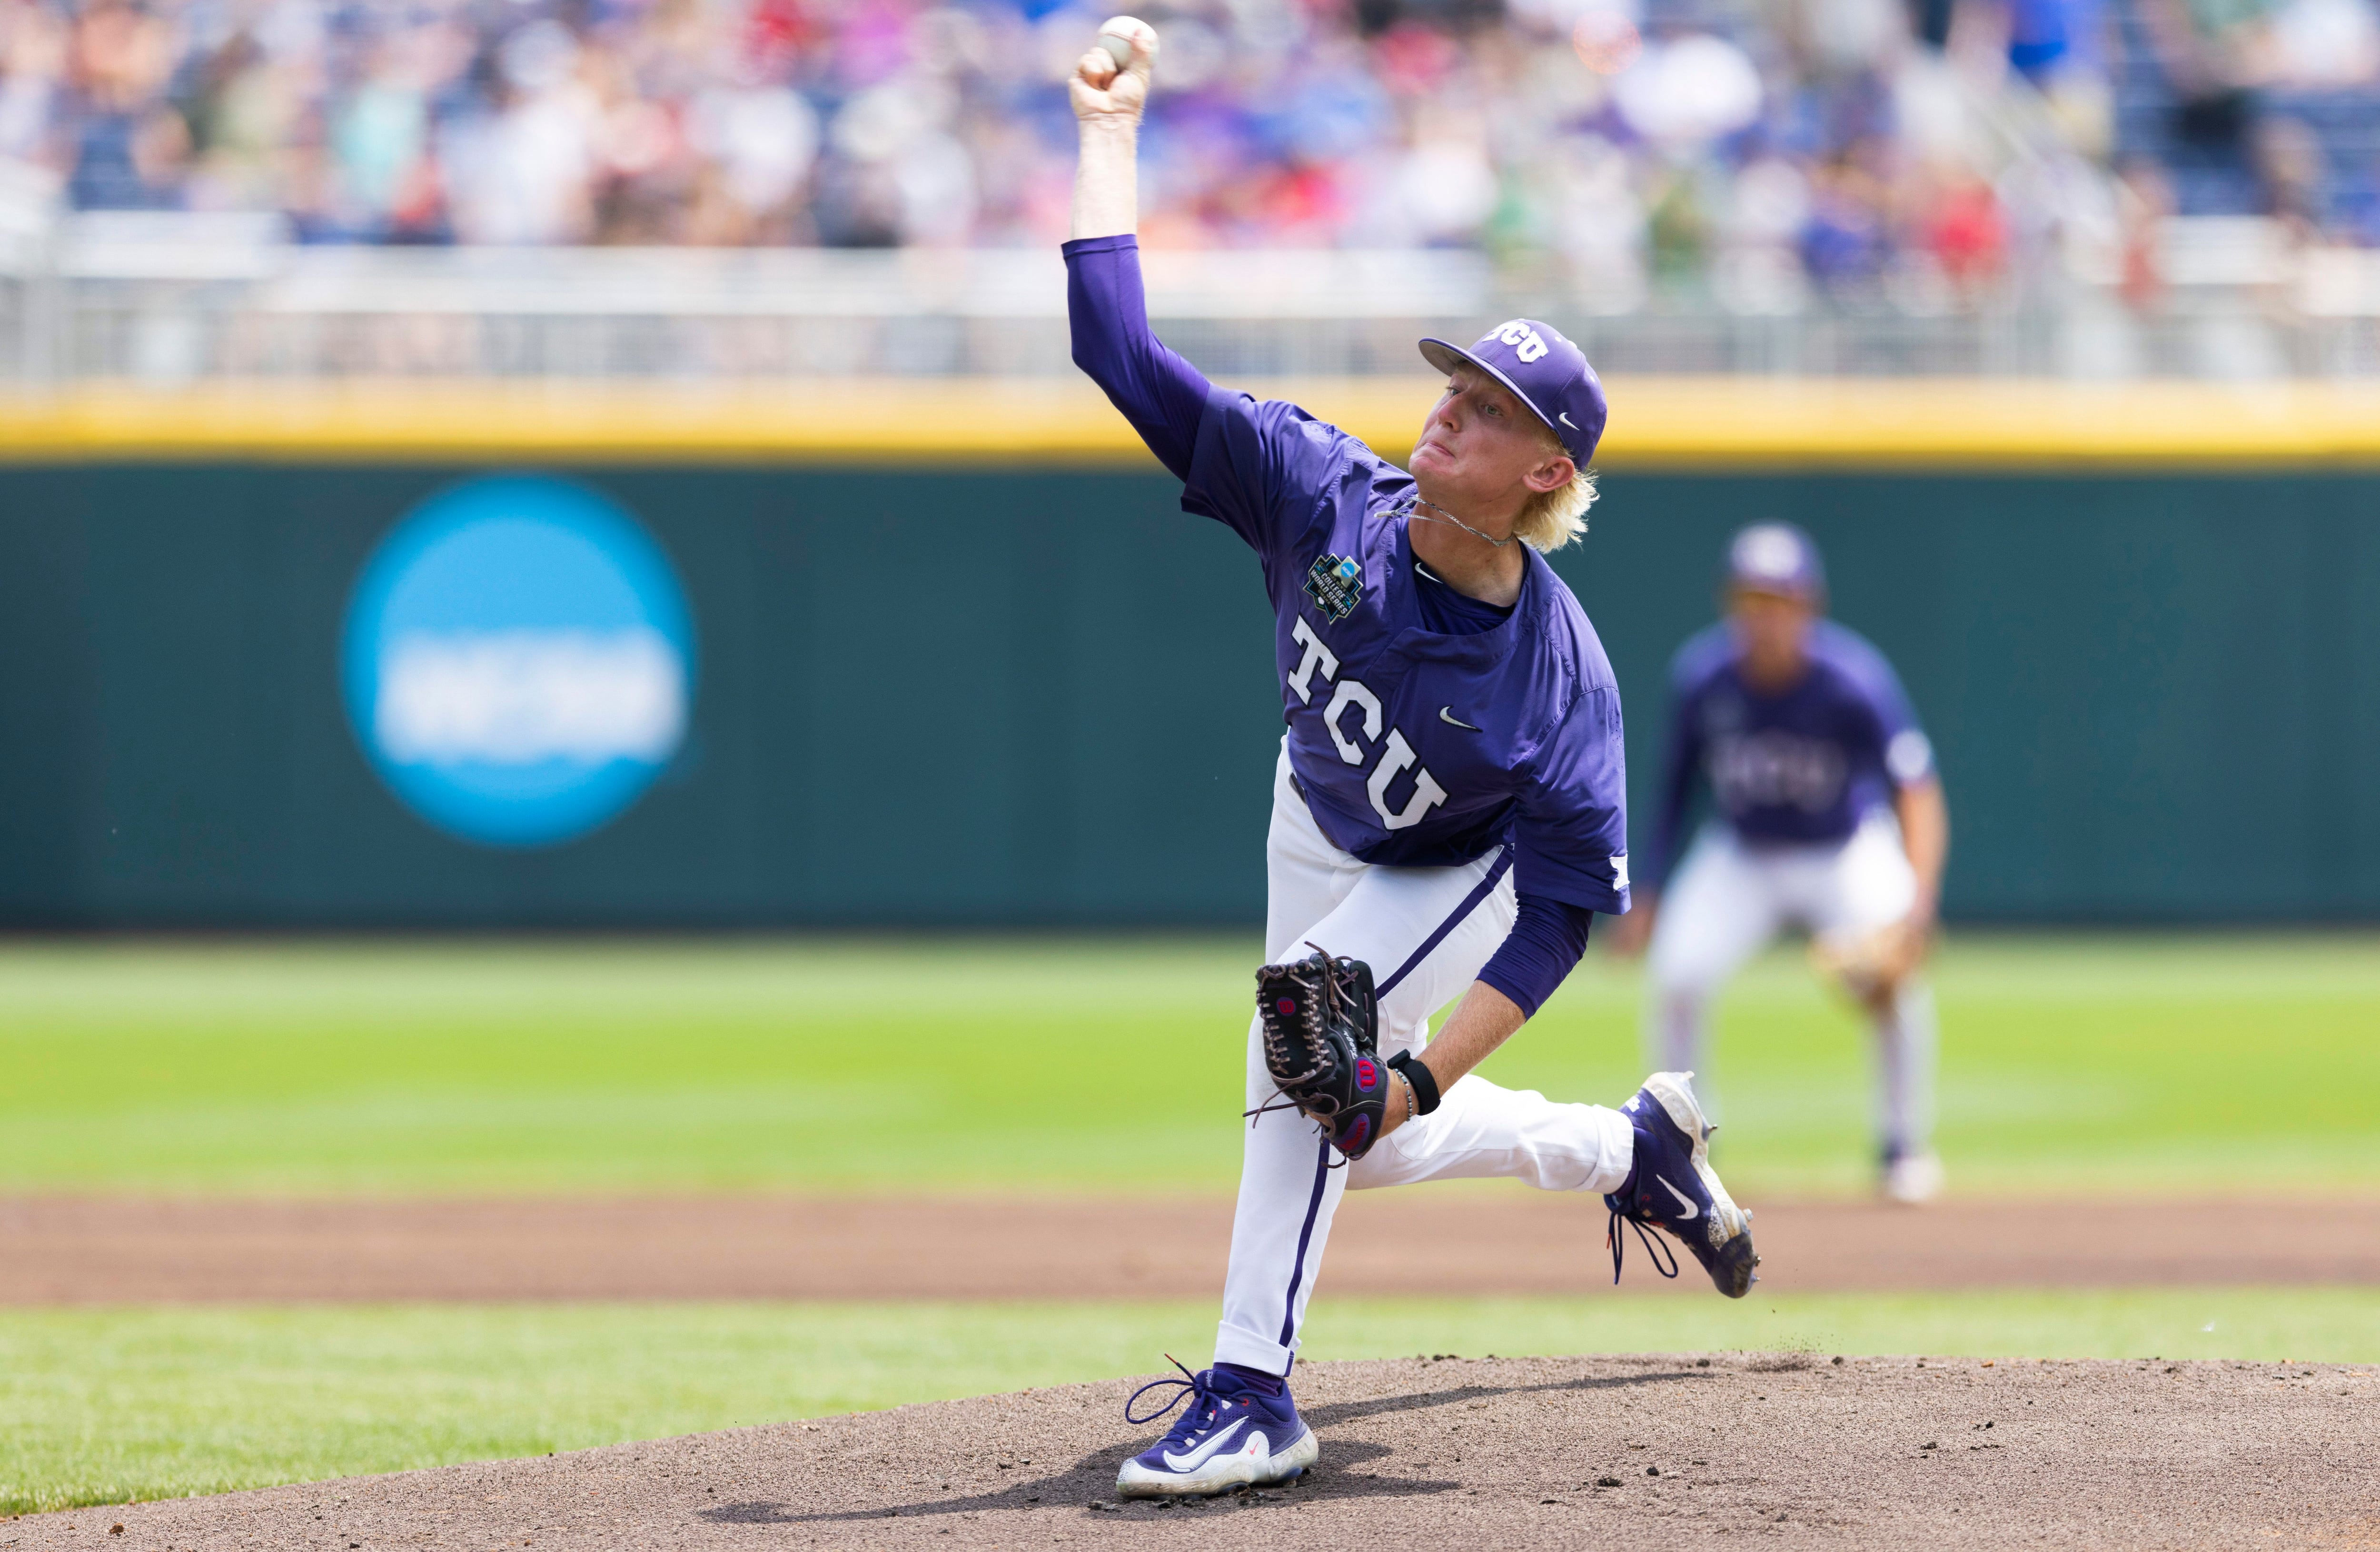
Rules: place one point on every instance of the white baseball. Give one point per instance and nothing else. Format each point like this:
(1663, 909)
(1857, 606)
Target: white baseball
(1116, 38)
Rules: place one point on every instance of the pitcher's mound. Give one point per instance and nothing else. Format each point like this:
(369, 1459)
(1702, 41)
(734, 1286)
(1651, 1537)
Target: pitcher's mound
(1625, 1452)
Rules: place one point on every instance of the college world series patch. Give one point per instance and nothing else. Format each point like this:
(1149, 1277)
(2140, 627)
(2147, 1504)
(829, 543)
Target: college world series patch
(1336, 585)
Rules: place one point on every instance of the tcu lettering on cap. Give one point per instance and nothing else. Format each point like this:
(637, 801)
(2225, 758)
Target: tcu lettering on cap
(1527, 343)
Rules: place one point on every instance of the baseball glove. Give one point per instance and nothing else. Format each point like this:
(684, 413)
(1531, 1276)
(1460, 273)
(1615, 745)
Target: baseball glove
(1321, 1044)
(1869, 965)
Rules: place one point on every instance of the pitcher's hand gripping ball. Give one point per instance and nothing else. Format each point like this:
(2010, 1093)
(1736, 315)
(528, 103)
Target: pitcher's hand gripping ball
(1107, 83)
(1321, 1045)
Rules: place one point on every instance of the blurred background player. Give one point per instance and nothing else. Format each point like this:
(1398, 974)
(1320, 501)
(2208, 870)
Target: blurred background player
(1827, 816)
(1450, 808)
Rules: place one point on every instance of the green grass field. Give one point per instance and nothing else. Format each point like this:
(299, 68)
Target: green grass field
(2079, 1066)
(103, 1406)
(2091, 1064)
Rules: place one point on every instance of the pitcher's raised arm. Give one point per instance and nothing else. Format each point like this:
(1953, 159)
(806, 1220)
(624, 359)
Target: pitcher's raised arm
(1109, 90)
(1162, 395)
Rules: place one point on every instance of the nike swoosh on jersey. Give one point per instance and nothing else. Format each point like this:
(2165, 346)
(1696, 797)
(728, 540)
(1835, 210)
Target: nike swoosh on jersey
(1198, 1457)
(1446, 714)
(1684, 1201)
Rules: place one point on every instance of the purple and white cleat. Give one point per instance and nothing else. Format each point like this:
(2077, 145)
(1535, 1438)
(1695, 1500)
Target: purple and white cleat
(1231, 1435)
(1674, 1188)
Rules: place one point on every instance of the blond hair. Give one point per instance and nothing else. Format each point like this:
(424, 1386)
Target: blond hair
(1550, 519)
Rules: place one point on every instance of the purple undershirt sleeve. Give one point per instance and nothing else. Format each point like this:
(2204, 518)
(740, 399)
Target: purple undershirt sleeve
(1546, 939)
(1159, 392)
(1681, 763)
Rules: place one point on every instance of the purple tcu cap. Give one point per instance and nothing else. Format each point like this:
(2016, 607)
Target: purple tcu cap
(1545, 371)
(1777, 558)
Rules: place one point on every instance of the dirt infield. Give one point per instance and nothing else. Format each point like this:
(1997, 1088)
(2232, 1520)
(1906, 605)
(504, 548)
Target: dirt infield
(1792, 1450)
(65, 1250)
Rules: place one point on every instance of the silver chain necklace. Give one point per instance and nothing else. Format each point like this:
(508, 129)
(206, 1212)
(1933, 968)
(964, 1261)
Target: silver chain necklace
(1415, 501)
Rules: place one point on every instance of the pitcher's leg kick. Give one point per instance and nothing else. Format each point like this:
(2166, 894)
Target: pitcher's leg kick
(1419, 935)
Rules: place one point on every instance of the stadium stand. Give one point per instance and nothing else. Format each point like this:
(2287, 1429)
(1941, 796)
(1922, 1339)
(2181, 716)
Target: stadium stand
(2084, 188)
(1664, 149)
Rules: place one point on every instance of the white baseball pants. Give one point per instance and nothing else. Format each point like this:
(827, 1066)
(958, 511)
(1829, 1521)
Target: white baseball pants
(1730, 898)
(1426, 932)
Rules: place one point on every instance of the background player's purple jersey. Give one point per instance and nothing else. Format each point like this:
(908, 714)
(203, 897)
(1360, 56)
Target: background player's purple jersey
(1803, 765)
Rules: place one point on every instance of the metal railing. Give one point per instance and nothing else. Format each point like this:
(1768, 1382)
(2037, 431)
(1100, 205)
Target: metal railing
(171, 299)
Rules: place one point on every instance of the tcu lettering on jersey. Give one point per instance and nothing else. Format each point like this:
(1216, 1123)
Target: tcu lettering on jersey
(1352, 719)
(1771, 769)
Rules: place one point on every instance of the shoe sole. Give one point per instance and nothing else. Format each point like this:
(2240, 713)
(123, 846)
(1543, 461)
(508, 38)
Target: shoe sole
(1735, 1263)
(1912, 1187)
(1137, 1481)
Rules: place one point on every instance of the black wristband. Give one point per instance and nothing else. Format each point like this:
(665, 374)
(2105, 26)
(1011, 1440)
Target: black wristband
(1425, 1087)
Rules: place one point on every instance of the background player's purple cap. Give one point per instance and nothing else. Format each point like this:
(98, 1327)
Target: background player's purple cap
(1545, 371)
(1777, 558)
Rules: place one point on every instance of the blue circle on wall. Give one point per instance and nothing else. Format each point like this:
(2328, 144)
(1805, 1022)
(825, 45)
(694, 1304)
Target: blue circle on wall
(519, 660)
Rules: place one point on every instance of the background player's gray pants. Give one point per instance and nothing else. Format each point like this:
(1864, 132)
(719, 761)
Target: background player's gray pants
(1730, 899)
(1426, 932)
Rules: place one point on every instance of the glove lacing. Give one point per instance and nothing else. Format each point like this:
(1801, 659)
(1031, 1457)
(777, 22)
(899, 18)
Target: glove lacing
(1311, 1012)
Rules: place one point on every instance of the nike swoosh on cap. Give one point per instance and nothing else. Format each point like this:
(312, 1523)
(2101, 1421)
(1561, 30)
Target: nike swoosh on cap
(1446, 714)
(1564, 417)
(1684, 1201)
(1198, 1457)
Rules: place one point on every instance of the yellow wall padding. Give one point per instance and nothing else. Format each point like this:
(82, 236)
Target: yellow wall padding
(1657, 422)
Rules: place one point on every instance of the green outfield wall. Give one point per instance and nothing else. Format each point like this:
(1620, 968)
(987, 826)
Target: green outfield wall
(1021, 696)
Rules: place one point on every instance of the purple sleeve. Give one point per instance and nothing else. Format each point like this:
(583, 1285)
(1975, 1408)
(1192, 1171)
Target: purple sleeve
(1681, 761)
(1260, 467)
(1902, 744)
(1546, 938)
(1159, 392)
(1570, 834)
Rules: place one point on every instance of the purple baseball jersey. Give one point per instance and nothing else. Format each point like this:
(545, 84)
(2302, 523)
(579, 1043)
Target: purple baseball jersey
(1415, 748)
(1425, 727)
(1804, 766)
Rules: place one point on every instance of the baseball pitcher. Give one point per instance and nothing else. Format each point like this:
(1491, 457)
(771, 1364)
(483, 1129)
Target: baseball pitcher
(1447, 808)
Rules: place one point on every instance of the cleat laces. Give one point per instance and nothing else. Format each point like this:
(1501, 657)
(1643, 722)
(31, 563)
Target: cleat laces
(1653, 1248)
(1194, 1388)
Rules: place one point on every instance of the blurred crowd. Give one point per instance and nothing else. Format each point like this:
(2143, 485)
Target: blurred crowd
(1760, 150)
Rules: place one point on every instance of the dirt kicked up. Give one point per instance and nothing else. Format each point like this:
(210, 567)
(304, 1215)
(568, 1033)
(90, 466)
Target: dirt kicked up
(1788, 1449)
